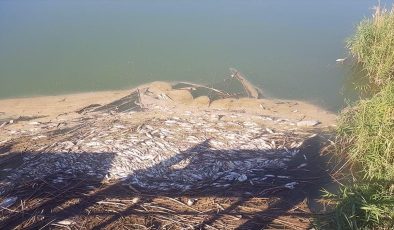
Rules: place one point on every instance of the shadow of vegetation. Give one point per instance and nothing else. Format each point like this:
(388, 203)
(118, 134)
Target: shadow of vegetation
(53, 201)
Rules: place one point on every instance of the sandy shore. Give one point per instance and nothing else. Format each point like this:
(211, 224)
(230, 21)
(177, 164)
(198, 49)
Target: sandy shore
(54, 105)
(49, 107)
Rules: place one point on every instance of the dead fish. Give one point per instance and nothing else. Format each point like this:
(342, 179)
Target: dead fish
(302, 165)
(191, 201)
(242, 178)
(119, 126)
(65, 222)
(291, 185)
(283, 177)
(7, 202)
(170, 122)
(273, 144)
(38, 137)
(269, 130)
(309, 123)
(93, 143)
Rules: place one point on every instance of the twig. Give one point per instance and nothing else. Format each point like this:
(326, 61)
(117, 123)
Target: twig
(62, 226)
(251, 208)
(47, 224)
(220, 207)
(109, 202)
(209, 226)
(138, 225)
(11, 210)
(271, 189)
(169, 219)
(134, 189)
(154, 206)
(178, 202)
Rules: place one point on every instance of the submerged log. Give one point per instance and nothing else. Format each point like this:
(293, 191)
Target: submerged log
(251, 90)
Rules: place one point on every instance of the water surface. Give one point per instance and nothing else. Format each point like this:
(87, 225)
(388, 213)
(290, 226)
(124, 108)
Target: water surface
(286, 47)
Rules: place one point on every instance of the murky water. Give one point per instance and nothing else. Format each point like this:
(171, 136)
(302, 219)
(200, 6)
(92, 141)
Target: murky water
(286, 47)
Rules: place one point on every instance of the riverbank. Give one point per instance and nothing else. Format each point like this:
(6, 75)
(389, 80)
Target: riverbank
(158, 157)
(49, 107)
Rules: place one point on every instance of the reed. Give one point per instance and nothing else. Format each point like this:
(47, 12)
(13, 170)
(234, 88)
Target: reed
(373, 46)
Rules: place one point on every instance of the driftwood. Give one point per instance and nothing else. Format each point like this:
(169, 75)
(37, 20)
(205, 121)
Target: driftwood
(250, 89)
(87, 108)
(206, 87)
(133, 101)
(128, 103)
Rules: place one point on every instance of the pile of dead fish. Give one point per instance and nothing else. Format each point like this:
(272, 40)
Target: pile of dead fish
(185, 152)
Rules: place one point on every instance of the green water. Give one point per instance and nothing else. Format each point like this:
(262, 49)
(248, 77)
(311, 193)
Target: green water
(286, 47)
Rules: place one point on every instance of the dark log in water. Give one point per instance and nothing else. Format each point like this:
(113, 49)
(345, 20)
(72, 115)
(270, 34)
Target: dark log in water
(251, 90)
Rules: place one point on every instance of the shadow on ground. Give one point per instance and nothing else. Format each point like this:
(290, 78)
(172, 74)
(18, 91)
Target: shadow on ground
(95, 204)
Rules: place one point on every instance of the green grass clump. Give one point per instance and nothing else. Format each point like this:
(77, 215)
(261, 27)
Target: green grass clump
(373, 46)
(365, 137)
(366, 132)
(363, 206)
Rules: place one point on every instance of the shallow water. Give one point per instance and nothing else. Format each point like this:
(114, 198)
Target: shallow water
(288, 48)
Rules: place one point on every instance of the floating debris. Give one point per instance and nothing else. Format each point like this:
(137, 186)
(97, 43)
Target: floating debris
(341, 60)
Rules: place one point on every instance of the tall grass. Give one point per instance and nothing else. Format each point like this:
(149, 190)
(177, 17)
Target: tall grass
(365, 134)
(373, 46)
(366, 140)
(362, 205)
